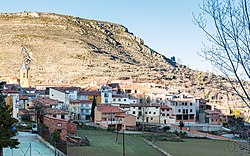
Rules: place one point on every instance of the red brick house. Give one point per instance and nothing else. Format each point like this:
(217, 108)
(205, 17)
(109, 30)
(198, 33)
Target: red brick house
(63, 126)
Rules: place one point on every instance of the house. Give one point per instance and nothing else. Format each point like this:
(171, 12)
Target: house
(105, 115)
(64, 94)
(43, 103)
(122, 99)
(126, 121)
(56, 113)
(89, 95)
(86, 106)
(184, 109)
(166, 114)
(75, 109)
(150, 113)
(63, 126)
(106, 94)
(12, 100)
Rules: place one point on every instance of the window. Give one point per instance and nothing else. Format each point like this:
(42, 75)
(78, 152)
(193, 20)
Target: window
(58, 124)
(182, 103)
(139, 113)
(114, 99)
(139, 108)
(167, 114)
(179, 110)
(149, 112)
(62, 117)
(156, 107)
(106, 100)
(54, 116)
(146, 112)
(133, 112)
(163, 110)
(28, 105)
(154, 113)
(125, 99)
(151, 118)
(185, 103)
(191, 104)
(191, 110)
(138, 118)
(119, 99)
(167, 109)
(212, 120)
(163, 114)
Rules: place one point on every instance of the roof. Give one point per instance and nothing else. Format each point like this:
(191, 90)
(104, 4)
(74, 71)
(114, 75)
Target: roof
(54, 111)
(23, 97)
(182, 100)
(165, 107)
(106, 108)
(74, 101)
(29, 89)
(64, 89)
(46, 101)
(144, 105)
(123, 115)
(40, 92)
(86, 101)
(208, 111)
(90, 93)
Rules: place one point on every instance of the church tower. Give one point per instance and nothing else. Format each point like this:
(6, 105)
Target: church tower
(24, 76)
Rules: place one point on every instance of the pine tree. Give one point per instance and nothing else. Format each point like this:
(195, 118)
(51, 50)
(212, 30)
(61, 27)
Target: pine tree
(6, 125)
(93, 109)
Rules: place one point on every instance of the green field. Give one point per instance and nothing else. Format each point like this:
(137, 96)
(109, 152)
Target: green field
(102, 143)
(202, 147)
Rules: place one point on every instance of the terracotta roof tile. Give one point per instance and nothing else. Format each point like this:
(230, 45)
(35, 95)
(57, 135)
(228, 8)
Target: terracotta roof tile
(105, 108)
(54, 111)
(46, 101)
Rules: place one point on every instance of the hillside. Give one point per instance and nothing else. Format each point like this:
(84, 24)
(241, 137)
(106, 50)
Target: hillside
(78, 50)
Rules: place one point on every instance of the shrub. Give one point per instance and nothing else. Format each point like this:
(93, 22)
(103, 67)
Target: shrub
(166, 128)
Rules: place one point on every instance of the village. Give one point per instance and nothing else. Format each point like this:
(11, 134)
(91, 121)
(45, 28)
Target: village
(114, 105)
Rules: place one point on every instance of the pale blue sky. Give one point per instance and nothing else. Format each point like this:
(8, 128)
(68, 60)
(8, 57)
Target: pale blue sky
(165, 25)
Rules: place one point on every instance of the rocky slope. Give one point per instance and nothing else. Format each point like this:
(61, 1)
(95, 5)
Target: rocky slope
(73, 49)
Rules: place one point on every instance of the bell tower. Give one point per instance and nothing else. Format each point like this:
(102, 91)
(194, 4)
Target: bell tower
(24, 76)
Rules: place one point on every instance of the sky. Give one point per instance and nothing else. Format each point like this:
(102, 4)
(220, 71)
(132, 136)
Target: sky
(165, 25)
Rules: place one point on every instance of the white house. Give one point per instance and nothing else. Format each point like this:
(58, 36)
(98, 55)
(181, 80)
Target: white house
(106, 94)
(63, 94)
(149, 112)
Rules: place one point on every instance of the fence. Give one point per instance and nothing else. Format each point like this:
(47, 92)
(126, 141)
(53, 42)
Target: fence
(46, 135)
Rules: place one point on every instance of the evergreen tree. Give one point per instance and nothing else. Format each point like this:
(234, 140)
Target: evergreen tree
(181, 124)
(93, 109)
(7, 131)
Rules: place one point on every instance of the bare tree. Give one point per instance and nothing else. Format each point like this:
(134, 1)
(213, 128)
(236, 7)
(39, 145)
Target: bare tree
(230, 38)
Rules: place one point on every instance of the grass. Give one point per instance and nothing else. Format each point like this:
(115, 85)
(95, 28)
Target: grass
(203, 147)
(103, 143)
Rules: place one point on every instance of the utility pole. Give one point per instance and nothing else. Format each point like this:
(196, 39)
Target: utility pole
(143, 103)
(123, 142)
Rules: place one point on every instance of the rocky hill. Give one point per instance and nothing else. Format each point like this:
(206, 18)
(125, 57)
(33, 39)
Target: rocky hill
(78, 50)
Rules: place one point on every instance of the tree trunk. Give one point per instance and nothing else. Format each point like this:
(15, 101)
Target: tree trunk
(1, 151)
